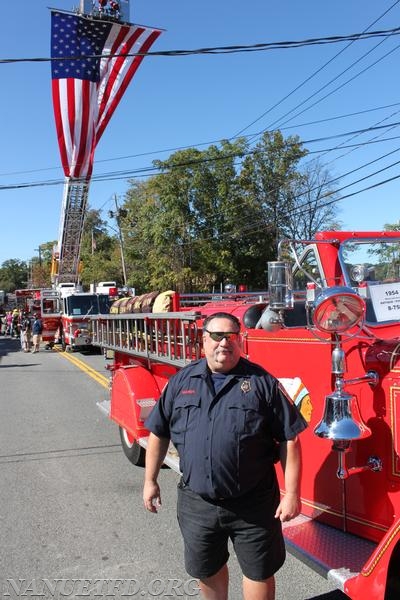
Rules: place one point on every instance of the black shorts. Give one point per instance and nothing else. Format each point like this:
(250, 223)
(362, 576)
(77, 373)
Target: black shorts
(248, 521)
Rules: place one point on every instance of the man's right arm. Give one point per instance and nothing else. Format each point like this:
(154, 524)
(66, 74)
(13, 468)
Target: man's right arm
(155, 453)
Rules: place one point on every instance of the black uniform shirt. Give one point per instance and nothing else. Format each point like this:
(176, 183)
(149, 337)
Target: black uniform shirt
(225, 440)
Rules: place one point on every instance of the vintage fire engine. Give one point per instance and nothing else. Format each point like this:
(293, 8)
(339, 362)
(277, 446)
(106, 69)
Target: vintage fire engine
(329, 329)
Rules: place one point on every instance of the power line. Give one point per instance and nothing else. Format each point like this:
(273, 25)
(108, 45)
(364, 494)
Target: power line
(345, 116)
(199, 145)
(152, 170)
(224, 49)
(311, 77)
(249, 228)
(337, 88)
(300, 209)
(356, 135)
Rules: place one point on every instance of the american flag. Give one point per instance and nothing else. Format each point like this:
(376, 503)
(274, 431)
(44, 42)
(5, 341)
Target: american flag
(87, 90)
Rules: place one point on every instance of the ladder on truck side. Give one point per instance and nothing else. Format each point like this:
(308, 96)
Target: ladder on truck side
(171, 338)
(65, 265)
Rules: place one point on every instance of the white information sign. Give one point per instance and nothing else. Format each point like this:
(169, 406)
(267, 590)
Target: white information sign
(386, 301)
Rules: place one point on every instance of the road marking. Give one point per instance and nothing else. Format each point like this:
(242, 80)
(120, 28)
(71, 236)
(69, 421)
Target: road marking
(101, 379)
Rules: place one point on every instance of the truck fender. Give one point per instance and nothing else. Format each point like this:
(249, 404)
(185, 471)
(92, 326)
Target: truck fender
(379, 578)
(134, 392)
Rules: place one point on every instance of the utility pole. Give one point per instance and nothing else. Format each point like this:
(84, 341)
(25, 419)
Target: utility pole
(39, 251)
(120, 212)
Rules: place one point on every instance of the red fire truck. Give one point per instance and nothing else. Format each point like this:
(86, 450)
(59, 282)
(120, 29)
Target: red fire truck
(67, 314)
(77, 312)
(28, 299)
(43, 302)
(329, 329)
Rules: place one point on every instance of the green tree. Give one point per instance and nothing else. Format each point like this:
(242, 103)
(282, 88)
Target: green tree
(216, 215)
(209, 217)
(270, 177)
(392, 227)
(13, 275)
(140, 212)
(183, 218)
(386, 256)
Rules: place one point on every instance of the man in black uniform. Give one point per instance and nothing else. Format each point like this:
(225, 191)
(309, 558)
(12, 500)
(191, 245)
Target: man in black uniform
(225, 416)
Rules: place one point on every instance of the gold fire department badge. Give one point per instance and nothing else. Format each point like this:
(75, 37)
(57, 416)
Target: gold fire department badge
(245, 386)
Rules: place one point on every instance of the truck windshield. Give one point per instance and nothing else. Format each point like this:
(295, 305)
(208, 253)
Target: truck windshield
(372, 266)
(92, 304)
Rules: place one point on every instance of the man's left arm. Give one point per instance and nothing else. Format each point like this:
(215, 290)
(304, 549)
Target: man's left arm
(290, 458)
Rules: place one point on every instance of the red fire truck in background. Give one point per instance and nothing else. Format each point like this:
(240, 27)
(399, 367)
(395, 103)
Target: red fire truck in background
(65, 312)
(329, 329)
(66, 315)
(40, 302)
(28, 299)
(76, 314)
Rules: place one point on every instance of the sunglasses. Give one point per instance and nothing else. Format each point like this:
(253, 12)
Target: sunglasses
(218, 336)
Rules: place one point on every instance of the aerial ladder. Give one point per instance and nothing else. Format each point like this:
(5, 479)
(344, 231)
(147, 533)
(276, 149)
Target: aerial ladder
(66, 254)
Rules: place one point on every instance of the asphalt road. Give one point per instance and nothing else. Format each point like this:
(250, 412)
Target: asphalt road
(71, 518)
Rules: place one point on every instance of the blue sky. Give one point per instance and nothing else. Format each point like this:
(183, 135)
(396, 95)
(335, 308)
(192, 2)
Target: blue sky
(174, 102)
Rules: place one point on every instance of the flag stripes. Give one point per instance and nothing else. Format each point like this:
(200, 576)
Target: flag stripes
(87, 90)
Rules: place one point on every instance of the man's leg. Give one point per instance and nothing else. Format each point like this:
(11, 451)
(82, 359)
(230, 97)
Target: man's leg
(205, 542)
(259, 590)
(216, 587)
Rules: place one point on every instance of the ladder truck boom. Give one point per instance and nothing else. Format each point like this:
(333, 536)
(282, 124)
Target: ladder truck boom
(66, 255)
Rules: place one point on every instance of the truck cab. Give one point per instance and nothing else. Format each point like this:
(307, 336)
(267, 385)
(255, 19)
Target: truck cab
(77, 311)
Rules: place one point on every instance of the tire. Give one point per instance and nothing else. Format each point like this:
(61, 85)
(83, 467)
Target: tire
(132, 450)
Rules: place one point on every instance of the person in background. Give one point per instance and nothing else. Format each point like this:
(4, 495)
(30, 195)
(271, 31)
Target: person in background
(9, 319)
(3, 324)
(226, 416)
(26, 333)
(37, 329)
(15, 323)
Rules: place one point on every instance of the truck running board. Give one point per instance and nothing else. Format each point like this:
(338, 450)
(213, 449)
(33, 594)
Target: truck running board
(171, 459)
(334, 554)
